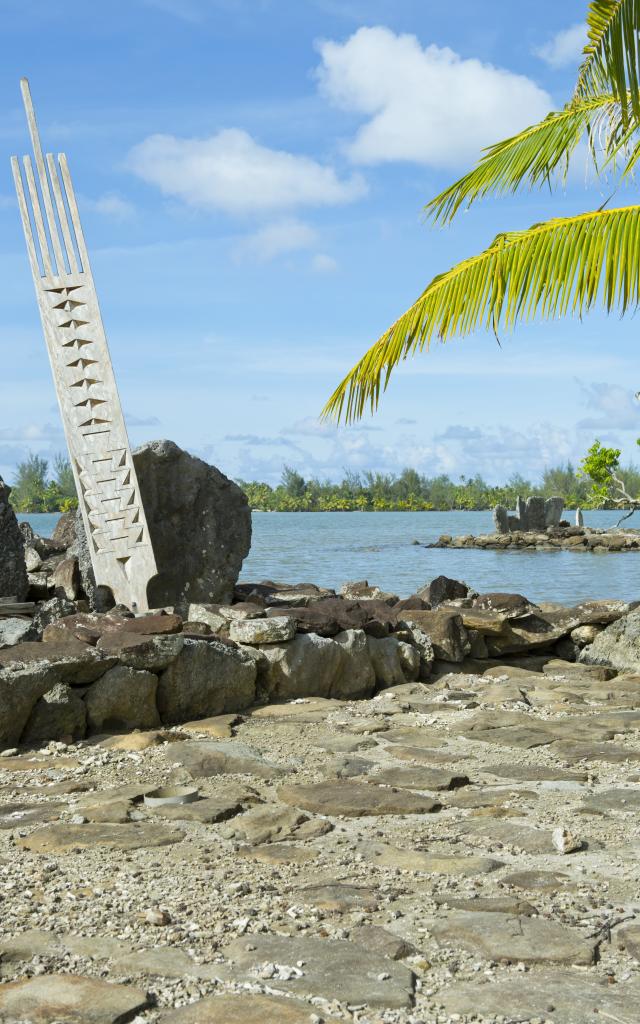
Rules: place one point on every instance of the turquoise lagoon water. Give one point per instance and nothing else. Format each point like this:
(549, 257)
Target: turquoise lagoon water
(330, 547)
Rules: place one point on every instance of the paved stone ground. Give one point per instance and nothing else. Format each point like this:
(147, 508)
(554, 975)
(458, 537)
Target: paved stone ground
(389, 860)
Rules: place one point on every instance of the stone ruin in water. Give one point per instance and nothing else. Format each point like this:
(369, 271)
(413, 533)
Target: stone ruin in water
(533, 515)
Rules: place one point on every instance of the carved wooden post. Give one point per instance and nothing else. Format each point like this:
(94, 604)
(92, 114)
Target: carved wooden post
(108, 492)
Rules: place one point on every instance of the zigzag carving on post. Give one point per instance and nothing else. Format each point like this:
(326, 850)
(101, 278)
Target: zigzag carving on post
(108, 491)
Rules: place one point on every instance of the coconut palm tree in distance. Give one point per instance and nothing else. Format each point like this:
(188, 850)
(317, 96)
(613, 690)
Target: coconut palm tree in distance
(558, 267)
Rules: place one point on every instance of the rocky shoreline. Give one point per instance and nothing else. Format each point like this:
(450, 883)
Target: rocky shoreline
(552, 538)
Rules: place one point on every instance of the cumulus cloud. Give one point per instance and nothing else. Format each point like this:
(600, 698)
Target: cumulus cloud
(232, 172)
(32, 432)
(612, 407)
(323, 263)
(564, 48)
(279, 238)
(426, 105)
(109, 205)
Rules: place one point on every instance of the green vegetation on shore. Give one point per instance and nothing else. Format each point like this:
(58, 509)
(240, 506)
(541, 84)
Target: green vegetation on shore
(36, 489)
(413, 492)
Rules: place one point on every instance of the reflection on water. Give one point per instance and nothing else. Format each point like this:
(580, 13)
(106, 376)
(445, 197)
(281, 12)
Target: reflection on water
(330, 547)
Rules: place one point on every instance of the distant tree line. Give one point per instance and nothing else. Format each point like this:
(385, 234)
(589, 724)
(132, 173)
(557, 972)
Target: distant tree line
(40, 488)
(411, 491)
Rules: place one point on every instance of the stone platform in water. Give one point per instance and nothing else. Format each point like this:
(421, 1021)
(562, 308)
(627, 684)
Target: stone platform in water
(553, 538)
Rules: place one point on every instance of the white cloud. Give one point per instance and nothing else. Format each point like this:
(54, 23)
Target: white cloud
(428, 105)
(323, 264)
(564, 48)
(232, 172)
(612, 407)
(109, 205)
(277, 239)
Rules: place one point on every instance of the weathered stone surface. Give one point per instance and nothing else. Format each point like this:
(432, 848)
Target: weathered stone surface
(556, 997)
(66, 579)
(60, 713)
(308, 666)
(443, 589)
(386, 659)
(200, 526)
(26, 675)
(122, 699)
(204, 759)
(13, 571)
(357, 674)
(508, 833)
(420, 778)
(72, 662)
(338, 897)
(361, 591)
(533, 773)
(273, 630)
(501, 519)
(207, 678)
(445, 629)
(333, 970)
(387, 856)
(488, 905)
(139, 651)
(271, 824)
(13, 631)
(355, 800)
(67, 838)
(64, 533)
(629, 938)
(538, 880)
(618, 645)
(210, 809)
(278, 853)
(504, 938)
(624, 800)
(52, 611)
(242, 1009)
(69, 999)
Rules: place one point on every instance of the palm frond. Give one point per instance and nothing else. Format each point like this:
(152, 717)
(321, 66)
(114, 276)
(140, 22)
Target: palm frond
(531, 156)
(612, 55)
(563, 265)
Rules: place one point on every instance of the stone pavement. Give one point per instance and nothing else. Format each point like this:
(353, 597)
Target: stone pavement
(386, 861)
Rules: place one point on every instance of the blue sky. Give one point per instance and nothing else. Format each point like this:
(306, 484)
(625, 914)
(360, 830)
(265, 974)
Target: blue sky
(250, 175)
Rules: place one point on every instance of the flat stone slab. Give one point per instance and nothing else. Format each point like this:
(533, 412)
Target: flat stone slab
(243, 1009)
(334, 969)
(521, 736)
(612, 800)
(612, 753)
(538, 881)
(278, 853)
(338, 897)
(268, 824)
(556, 997)
(69, 999)
(629, 938)
(420, 778)
(531, 840)
(510, 939)
(67, 838)
(488, 905)
(387, 856)
(485, 797)
(208, 810)
(204, 759)
(356, 799)
(424, 755)
(532, 773)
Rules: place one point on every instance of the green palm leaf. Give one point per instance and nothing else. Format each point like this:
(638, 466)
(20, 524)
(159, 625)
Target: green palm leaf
(612, 55)
(560, 266)
(532, 156)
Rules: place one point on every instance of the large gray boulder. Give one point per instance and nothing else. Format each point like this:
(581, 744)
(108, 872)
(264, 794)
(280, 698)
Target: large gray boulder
(122, 699)
(13, 571)
(200, 527)
(199, 522)
(207, 678)
(618, 645)
(60, 713)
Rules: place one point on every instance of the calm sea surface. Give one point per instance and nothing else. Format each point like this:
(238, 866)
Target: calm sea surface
(330, 547)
